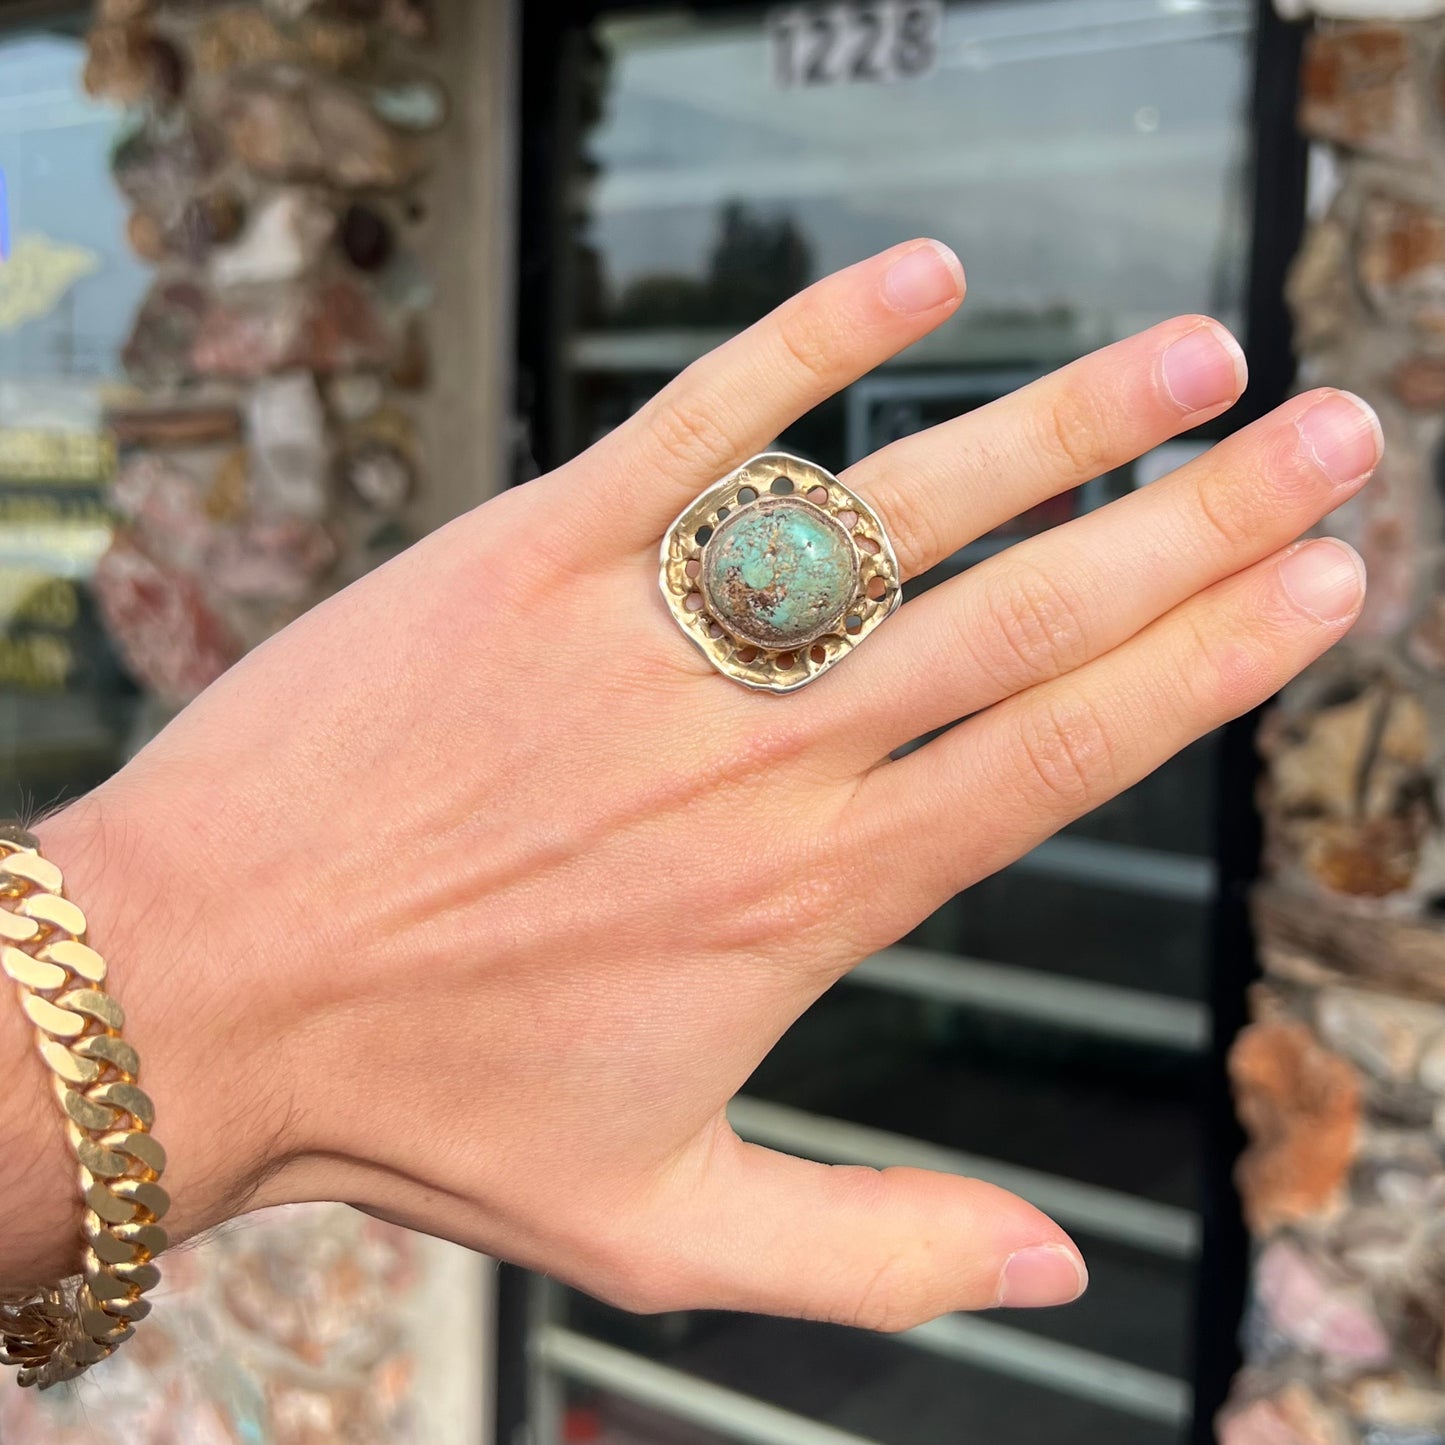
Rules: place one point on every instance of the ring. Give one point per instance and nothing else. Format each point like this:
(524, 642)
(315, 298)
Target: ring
(778, 571)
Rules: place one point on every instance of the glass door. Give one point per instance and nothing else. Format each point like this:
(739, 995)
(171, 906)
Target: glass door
(686, 168)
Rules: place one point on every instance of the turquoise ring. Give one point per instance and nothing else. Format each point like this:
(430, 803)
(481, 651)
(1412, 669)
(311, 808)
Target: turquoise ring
(778, 571)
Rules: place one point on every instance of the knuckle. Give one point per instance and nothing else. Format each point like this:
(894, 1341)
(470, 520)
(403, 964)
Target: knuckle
(885, 1304)
(1276, 480)
(1073, 430)
(917, 541)
(889, 1298)
(1219, 671)
(688, 433)
(1067, 753)
(1037, 628)
(807, 348)
(1223, 518)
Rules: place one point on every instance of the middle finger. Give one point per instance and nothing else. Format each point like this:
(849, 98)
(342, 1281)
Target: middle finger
(941, 488)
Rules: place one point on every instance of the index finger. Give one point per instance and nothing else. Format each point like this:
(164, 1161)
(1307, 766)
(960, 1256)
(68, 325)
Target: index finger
(735, 401)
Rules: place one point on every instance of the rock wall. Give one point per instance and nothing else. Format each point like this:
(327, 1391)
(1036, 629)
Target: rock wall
(273, 161)
(1340, 1078)
(275, 158)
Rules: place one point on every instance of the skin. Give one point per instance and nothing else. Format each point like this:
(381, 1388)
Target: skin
(475, 895)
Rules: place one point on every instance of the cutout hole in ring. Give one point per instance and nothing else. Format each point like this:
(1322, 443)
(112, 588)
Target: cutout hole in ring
(782, 486)
(818, 495)
(869, 545)
(877, 589)
(702, 536)
(818, 654)
(748, 655)
(693, 567)
(693, 602)
(848, 520)
(748, 494)
(852, 624)
(786, 659)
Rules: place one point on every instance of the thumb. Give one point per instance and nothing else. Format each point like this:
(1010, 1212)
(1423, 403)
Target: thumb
(882, 1250)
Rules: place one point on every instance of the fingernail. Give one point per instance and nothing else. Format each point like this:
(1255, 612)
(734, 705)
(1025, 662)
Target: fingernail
(1204, 368)
(1343, 435)
(1044, 1274)
(1325, 579)
(926, 277)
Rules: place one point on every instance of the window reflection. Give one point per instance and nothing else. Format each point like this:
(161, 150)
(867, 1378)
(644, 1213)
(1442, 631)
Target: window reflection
(68, 289)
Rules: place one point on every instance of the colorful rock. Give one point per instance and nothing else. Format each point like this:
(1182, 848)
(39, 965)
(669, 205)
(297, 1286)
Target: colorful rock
(171, 639)
(164, 163)
(1319, 1310)
(283, 240)
(288, 126)
(163, 336)
(1357, 89)
(1301, 1107)
(324, 327)
(289, 447)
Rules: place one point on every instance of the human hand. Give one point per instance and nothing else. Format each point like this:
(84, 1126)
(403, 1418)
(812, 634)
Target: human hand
(475, 895)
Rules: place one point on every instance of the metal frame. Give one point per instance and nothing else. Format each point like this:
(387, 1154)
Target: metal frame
(1217, 1236)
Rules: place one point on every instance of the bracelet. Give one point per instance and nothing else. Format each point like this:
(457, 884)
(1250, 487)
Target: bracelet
(55, 1332)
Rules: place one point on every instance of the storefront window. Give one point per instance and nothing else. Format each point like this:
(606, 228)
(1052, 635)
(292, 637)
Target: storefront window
(69, 288)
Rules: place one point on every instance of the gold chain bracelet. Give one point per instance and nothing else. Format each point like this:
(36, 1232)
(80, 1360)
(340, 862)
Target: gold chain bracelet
(56, 1332)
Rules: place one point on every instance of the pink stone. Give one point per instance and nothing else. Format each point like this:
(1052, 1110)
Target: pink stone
(165, 507)
(270, 560)
(329, 327)
(1322, 1315)
(167, 633)
(1293, 1417)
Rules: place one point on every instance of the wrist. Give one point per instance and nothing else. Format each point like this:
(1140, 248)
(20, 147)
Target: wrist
(165, 924)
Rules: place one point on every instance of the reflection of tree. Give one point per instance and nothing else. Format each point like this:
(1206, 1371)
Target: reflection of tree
(756, 262)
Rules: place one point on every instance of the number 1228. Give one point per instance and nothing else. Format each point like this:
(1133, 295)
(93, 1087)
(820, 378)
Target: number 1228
(869, 40)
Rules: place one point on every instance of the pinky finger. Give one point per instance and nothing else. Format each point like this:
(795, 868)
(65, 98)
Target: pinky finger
(982, 795)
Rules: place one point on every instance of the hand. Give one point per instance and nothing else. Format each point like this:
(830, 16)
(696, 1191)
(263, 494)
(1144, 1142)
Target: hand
(475, 895)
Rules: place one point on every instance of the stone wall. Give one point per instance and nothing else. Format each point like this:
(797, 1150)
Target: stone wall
(1340, 1078)
(281, 161)
(269, 449)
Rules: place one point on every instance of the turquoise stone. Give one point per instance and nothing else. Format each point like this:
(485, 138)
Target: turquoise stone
(779, 573)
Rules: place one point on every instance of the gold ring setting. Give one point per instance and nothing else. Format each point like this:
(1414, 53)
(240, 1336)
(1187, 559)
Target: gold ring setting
(778, 571)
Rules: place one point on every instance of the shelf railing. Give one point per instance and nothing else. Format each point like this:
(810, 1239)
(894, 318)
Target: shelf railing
(1124, 867)
(1130, 1389)
(1077, 1005)
(676, 1393)
(1127, 1389)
